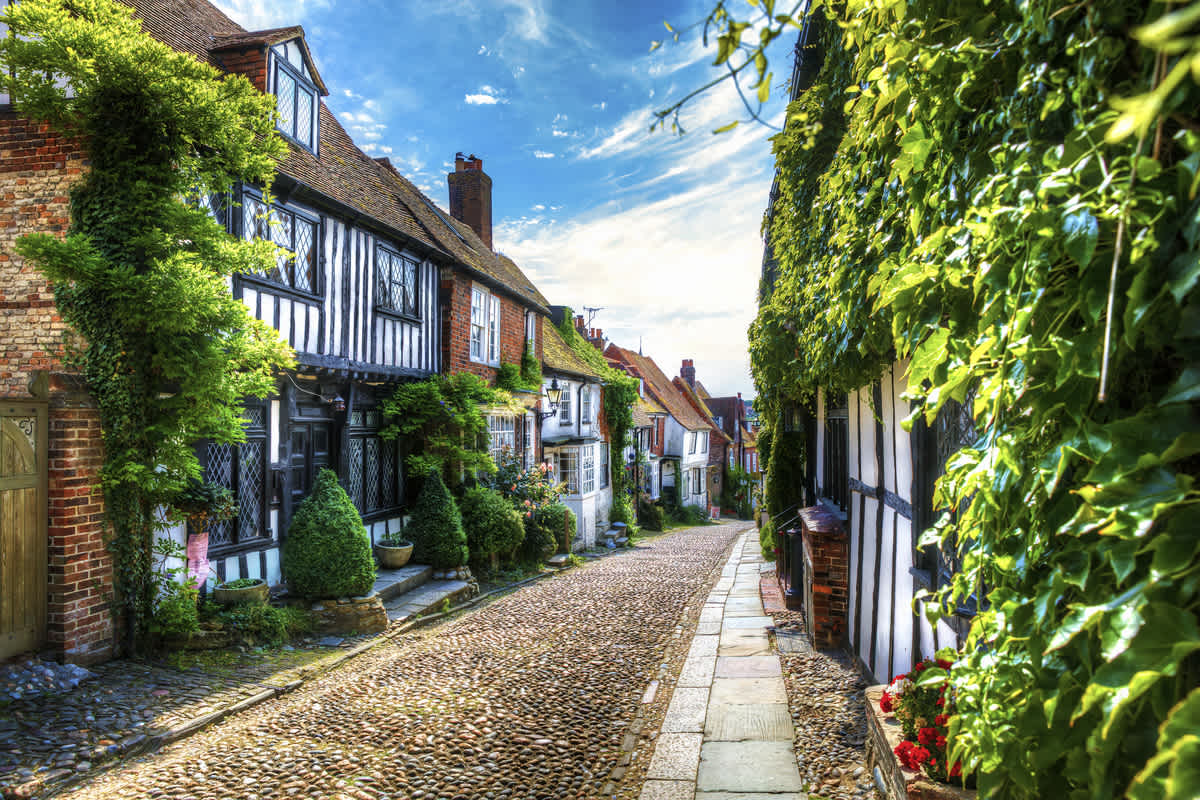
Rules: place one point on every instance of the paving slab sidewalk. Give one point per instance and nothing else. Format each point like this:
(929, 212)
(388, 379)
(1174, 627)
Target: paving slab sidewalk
(727, 731)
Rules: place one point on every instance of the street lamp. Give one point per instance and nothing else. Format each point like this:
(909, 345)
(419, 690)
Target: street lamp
(553, 396)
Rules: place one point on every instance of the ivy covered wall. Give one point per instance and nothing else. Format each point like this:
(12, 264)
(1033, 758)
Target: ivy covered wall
(1006, 194)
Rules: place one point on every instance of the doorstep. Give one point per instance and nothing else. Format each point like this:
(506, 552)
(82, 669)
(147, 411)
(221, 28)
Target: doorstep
(427, 597)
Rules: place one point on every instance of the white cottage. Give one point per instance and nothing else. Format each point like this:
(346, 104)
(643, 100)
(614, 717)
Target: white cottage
(574, 437)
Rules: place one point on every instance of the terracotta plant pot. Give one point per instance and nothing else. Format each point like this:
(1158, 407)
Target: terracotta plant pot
(393, 556)
(255, 593)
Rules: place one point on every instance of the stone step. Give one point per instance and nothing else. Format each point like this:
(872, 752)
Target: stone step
(426, 597)
(391, 583)
(558, 560)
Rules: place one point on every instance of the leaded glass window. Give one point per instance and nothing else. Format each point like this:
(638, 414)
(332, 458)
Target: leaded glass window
(397, 281)
(242, 469)
(294, 234)
(296, 101)
(372, 473)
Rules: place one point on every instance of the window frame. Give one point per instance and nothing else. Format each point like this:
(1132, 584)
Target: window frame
(487, 326)
(250, 232)
(384, 300)
(692, 442)
(587, 470)
(501, 436)
(569, 474)
(364, 431)
(585, 406)
(300, 82)
(564, 406)
(258, 435)
(603, 465)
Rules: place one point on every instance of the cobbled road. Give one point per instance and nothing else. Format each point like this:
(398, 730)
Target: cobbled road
(526, 697)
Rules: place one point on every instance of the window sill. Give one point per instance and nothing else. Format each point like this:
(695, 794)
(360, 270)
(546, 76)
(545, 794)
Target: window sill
(266, 284)
(391, 313)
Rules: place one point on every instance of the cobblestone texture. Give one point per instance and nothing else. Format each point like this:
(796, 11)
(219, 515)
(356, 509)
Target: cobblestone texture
(530, 696)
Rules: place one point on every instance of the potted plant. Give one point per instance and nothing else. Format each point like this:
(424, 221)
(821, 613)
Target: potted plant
(241, 591)
(392, 551)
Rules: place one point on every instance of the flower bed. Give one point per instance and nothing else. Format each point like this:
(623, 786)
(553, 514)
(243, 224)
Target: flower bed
(908, 736)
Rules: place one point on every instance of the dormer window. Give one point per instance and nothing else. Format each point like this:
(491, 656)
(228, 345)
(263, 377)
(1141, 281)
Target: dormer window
(295, 94)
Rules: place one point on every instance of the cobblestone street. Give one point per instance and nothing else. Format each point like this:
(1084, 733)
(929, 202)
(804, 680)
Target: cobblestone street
(531, 696)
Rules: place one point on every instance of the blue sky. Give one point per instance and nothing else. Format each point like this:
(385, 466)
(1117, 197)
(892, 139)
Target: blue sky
(661, 232)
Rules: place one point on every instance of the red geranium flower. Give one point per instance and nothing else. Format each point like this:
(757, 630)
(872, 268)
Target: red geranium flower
(885, 703)
(956, 770)
(940, 741)
(940, 720)
(944, 664)
(921, 666)
(926, 736)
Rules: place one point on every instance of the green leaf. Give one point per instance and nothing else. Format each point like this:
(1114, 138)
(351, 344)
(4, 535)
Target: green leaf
(1080, 231)
(764, 88)
(727, 127)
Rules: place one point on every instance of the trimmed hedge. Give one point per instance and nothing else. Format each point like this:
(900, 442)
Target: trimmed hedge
(650, 515)
(327, 552)
(492, 525)
(436, 530)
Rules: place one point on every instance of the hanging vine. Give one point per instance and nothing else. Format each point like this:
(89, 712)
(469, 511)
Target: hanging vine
(167, 352)
(1006, 197)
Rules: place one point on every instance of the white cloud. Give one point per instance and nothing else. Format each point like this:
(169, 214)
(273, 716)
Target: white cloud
(257, 15)
(483, 50)
(539, 207)
(486, 96)
(542, 154)
(601, 106)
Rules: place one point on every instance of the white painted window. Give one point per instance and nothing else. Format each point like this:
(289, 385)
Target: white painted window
(589, 469)
(603, 465)
(564, 406)
(527, 439)
(697, 476)
(568, 469)
(703, 441)
(692, 437)
(585, 407)
(479, 300)
(530, 329)
(493, 330)
(503, 443)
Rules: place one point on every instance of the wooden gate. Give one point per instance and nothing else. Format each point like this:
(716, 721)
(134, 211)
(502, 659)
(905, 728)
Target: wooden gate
(22, 527)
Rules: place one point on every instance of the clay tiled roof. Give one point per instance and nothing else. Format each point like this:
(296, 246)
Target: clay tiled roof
(644, 411)
(266, 38)
(701, 392)
(698, 405)
(659, 387)
(557, 355)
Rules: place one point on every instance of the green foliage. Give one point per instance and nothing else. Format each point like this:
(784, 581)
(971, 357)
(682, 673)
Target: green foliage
(1005, 197)
(786, 474)
(327, 552)
(545, 531)
(201, 501)
(175, 592)
(492, 525)
(437, 527)
(736, 491)
(262, 623)
(393, 540)
(240, 583)
(531, 369)
(446, 417)
(508, 377)
(168, 353)
(621, 510)
(620, 395)
(528, 489)
(767, 540)
(650, 515)
(689, 515)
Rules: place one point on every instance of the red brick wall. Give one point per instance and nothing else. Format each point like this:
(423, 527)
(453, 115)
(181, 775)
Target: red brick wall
(251, 63)
(80, 625)
(456, 329)
(37, 168)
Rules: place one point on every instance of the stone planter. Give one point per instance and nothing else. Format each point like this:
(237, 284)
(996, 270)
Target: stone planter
(393, 557)
(884, 733)
(249, 594)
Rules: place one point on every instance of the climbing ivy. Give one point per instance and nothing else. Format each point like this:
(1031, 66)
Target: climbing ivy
(142, 276)
(620, 395)
(1004, 197)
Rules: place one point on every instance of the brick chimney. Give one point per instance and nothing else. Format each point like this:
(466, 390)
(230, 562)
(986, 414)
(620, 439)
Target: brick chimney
(596, 337)
(471, 195)
(688, 372)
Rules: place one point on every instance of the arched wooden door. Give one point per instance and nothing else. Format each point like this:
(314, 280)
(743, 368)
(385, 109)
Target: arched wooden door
(22, 527)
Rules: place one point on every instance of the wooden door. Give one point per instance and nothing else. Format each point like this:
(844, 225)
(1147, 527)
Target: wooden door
(22, 527)
(311, 441)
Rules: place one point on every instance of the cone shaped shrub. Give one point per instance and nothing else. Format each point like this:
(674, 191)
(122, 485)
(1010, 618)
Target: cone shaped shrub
(493, 526)
(436, 530)
(327, 552)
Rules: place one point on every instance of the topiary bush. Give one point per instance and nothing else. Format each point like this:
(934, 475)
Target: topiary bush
(492, 525)
(437, 531)
(327, 552)
(539, 541)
